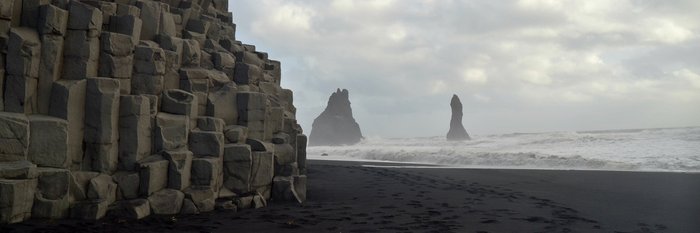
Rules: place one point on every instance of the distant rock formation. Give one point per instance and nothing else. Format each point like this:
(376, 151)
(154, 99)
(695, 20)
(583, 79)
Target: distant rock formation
(457, 131)
(335, 126)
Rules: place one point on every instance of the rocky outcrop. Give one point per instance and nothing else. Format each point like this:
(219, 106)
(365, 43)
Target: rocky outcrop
(139, 107)
(457, 131)
(335, 126)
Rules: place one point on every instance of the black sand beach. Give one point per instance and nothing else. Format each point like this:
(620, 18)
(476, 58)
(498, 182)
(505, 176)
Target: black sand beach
(350, 197)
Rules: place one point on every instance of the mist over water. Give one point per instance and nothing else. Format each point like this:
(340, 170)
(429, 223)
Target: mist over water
(676, 149)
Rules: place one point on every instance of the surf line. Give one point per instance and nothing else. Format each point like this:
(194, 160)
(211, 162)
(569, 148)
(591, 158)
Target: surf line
(410, 166)
(523, 168)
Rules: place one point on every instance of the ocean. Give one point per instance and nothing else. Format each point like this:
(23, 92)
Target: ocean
(667, 150)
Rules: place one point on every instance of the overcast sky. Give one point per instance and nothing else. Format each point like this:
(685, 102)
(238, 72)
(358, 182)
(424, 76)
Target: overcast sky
(517, 65)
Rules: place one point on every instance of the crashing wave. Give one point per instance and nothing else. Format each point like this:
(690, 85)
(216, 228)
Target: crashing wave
(629, 150)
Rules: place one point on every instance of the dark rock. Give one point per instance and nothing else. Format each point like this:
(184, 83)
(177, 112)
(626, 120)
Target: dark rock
(335, 126)
(457, 131)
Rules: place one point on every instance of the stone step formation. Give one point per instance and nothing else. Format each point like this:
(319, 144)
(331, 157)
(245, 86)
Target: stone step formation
(139, 107)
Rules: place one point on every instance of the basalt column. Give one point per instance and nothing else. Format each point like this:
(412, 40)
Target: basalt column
(138, 107)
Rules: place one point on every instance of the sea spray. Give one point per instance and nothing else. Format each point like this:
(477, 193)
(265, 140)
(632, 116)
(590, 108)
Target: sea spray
(675, 149)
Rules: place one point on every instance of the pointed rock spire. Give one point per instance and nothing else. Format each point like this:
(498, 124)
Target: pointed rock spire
(457, 131)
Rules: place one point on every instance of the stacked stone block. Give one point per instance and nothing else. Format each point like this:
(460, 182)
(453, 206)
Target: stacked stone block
(52, 26)
(22, 75)
(255, 111)
(82, 42)
(117, 59)
(136, 108)
(68, 103)
(134, 130)
(101, 125)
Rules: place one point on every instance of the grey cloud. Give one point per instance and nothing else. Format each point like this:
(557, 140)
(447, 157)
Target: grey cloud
(516, 68)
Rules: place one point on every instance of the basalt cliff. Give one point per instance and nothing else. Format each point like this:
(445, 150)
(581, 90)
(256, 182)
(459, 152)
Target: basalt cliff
(139, 107)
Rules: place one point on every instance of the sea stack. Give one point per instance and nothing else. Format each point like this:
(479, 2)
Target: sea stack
(335, 126)
(457, 131)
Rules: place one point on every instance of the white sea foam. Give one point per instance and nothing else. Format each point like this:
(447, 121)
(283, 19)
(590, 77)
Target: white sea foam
(676, 149)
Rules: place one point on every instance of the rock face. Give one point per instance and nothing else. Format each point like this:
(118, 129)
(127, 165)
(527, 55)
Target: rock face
(139, 107)
(457, 131)
(335, 126)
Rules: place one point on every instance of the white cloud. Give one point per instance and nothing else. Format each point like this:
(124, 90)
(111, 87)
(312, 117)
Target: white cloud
(536, 77)
(396, 33)
(572, 96)
(482, 98)
(289, 18)
(438, 86)
(691, 77)
(550, 5)
(350, 5)
(343, 4)
(667, 31)
(380, 4)
(475, 76)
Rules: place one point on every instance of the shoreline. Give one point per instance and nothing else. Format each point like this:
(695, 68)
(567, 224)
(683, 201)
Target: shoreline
(419, 165)
(350, 197)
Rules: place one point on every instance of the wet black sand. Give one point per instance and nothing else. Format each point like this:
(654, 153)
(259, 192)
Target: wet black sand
(350, 197)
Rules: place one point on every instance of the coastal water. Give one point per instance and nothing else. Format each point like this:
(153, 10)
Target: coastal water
(673, 149)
